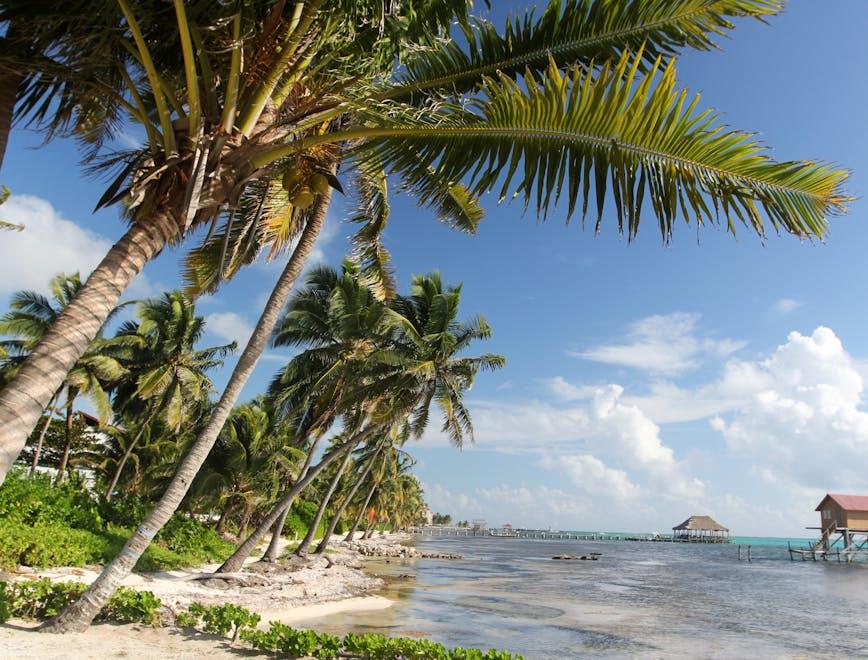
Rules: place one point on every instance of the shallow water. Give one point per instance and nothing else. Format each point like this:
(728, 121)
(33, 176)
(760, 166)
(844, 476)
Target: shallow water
(638, 600)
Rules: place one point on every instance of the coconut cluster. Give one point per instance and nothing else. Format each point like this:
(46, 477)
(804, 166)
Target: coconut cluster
(303, 185)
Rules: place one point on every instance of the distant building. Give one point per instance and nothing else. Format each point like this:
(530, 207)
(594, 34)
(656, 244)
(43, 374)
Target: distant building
(843, 512)
(701, 529)
(479, 525)
(427, 515)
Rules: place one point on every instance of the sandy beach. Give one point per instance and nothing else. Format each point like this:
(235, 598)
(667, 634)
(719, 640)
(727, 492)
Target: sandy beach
(291, 592)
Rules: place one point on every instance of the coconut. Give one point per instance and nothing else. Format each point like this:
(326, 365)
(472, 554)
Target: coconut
(303, 198)
(319, 183)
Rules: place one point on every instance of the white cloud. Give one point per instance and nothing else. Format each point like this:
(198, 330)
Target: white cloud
(50, 244)
(229, 326)
(593, 476)
(805, 422)
(666, 344)
(786, 305)
(595, 422)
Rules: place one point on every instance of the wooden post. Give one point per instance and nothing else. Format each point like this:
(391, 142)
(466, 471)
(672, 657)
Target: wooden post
(748, 555)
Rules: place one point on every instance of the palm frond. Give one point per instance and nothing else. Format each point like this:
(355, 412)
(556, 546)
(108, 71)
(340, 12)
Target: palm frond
(574, 31)
(567, 133)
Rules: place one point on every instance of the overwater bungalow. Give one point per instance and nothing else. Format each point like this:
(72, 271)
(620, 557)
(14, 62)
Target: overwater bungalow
(701, 529)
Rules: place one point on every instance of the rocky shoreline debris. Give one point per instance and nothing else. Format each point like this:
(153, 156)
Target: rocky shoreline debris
(395, 550)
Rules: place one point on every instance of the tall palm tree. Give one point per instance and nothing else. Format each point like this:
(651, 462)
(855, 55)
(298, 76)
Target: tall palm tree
(167, 370)
(581, 95)
(417, 364)
(337, 317)
(56, 66)
(250, 460)
(375, 455)
(29, 319)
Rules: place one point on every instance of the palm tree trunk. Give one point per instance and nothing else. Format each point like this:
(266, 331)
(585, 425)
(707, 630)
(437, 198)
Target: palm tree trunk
(79, 615)
(27, 395)
(67, 436)
(369, 530)
(236, 561)
(320, 512)
(224, 516)
(271, 554)
(352, 532)
(39, 442)
(245, 519)
(126, 456)
(10, 83)
(323, 544)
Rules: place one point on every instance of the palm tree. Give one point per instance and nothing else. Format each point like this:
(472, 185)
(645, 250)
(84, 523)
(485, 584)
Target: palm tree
(583, 94)
(29, 319)
(415, 365)
(377, 454)
(249, 461)
(337, 317)
(167, 371)
(56, 66)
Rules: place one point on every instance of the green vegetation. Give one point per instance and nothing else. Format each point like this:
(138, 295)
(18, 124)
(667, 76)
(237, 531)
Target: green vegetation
(285, 641)
(42, 525)
(42, 599)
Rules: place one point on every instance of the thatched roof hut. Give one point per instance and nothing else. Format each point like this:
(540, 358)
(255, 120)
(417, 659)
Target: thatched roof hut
(701, 528)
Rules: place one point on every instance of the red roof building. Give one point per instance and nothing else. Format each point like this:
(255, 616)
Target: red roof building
(843, 512)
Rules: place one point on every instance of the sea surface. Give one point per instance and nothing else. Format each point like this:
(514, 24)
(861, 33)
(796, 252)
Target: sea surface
(647, 600)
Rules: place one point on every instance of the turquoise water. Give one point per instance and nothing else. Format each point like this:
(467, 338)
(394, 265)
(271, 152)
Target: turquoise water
(645, 600)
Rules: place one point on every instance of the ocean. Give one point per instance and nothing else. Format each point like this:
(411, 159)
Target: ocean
(646, 600)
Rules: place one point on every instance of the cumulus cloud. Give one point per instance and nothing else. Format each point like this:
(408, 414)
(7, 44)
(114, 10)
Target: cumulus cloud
(665, 344)
(805, 422)
(50, 244)
(229, 326)
(593, 476)
(594, 424)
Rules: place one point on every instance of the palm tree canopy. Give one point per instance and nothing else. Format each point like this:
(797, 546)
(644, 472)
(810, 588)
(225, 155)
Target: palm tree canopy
(168, 370)
(31, 315)
(578, 101)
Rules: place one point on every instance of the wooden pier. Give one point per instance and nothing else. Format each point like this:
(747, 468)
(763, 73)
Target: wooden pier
(839, 543)
(553, 535)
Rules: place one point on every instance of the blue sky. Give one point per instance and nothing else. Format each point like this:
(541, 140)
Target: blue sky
(645, 383)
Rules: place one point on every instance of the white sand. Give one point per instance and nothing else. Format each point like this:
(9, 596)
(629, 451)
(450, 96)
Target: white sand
(312, 591)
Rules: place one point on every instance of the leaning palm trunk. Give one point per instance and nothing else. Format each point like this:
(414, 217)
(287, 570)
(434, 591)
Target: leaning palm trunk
(41, 439)
(320, 512)
(67, 437)
(80, 614)
(42, 373)
(236, 561)
(271, 554)
(126, 457)
(358, 521)
(10, 84)
(323, 544)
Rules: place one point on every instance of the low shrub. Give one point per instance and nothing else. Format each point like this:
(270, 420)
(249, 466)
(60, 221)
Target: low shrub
(284, 640)
(39, 599)
(225, 620)
(132, 606)
(43, 599)
(36, 501)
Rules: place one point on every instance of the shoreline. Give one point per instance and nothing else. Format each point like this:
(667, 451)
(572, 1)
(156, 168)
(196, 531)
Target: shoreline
(291, 592)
